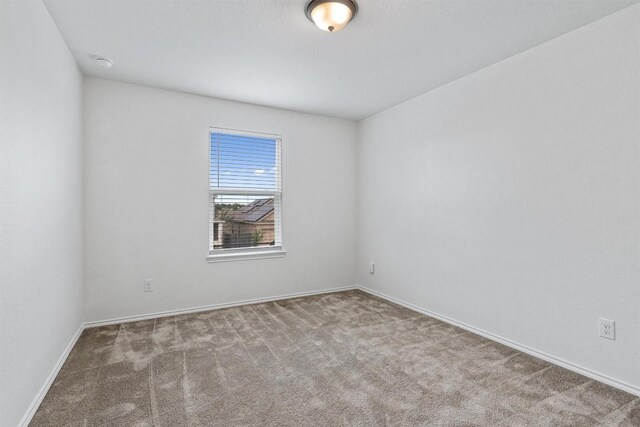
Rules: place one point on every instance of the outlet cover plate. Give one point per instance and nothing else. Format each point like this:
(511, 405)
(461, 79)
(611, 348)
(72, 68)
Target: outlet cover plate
(607, 329)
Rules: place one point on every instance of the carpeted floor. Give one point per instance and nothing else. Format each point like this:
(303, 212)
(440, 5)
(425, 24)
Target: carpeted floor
(337, 359)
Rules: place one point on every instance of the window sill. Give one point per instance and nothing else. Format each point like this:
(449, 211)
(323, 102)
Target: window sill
(241, 256)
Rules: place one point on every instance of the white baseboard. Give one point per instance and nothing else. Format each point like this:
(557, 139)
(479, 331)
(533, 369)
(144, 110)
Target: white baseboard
(629, 388)
(156, 315)
(26, 419)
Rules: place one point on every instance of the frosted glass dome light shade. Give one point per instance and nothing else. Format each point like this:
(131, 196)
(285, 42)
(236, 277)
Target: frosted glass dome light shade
(331, 15)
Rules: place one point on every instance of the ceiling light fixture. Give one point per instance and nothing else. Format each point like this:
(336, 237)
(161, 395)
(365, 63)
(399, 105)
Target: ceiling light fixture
(331, 15)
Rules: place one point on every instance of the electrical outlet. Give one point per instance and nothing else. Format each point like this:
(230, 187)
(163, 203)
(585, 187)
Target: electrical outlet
(607, 329)
(148, 285)
(372, 268)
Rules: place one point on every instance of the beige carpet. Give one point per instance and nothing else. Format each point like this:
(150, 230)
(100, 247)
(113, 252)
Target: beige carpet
(337, 359)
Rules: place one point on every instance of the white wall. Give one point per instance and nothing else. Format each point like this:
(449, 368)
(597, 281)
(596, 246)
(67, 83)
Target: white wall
(40, 203)
(146, 202)
(509, 200)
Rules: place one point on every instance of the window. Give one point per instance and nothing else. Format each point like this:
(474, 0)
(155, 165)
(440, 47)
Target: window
(216, 232)
(244, 194)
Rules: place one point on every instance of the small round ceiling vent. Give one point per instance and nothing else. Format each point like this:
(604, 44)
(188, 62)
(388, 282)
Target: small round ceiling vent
(104, 62)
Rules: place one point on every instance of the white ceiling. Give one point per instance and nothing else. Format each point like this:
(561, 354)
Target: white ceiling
(267, 52)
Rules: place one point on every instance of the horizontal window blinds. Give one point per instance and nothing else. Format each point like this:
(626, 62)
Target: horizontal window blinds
(244, 162)
(244, 191)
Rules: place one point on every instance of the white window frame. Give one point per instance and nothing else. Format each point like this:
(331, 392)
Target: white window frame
(232, 254)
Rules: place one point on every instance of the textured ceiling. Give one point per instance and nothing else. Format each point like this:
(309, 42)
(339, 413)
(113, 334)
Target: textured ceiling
(267, 52)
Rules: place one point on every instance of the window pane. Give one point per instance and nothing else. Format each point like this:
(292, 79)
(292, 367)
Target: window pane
(239, 161)
(244, 221)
